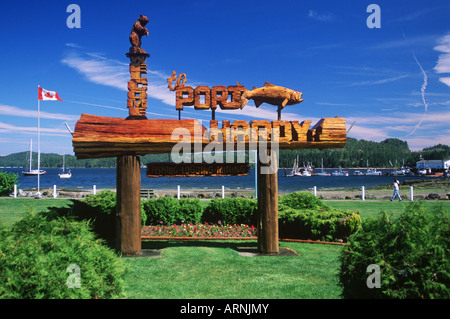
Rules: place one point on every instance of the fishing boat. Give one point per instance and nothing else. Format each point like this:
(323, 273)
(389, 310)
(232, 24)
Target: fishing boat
(424, 171)
(339, 173)
(305, 172)
(373, 172)
(33, 172)
(403, 171)
(65, 174)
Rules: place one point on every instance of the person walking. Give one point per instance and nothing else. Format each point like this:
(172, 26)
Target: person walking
(395, 185)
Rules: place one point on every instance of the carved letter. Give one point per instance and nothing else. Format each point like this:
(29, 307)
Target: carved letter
(236, 92)
(239, 129)
(220, 135)
(259, 126)
(299, 131)
(198, 92)
(219, 95)
(285, 132)
(184, 101)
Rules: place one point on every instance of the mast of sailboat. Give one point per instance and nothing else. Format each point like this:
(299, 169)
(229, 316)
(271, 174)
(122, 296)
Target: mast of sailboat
(31, 153)
(39, 150)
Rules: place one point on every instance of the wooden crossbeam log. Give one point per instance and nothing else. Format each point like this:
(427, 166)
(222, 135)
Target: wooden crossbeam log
(100, 137)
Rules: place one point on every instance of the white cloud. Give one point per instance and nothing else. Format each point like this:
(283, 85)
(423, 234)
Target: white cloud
(381, 81)
(9, 128)
(100, 71)
(418, 41)
(419, 143)
(367, 133)
(404, 118)
(433, 128)
(323, 17)
(73, 45)
(443, 63)
(104, 71)
(15, 111)
(445, 80)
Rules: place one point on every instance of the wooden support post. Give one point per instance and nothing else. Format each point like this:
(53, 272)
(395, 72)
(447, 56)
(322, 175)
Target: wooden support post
(128, 209)
(268, 205)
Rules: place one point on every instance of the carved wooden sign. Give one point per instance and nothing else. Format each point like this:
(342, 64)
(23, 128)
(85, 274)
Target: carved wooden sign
(98, 136)
(197, 169)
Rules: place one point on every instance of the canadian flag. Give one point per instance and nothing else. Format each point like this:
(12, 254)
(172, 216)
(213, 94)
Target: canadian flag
(45, 95)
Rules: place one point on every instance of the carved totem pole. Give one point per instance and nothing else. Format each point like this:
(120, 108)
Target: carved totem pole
(137, 86)
(128, 180)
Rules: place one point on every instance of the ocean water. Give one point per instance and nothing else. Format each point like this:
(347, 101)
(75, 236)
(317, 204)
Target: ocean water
(105, 178)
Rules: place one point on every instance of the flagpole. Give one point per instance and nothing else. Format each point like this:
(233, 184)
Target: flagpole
(39, 149)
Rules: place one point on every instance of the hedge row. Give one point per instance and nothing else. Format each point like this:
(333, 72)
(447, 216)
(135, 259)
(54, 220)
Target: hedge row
(301, 214)
(169, 211)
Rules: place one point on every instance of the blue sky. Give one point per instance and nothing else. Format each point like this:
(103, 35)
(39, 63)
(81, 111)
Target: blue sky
(391, 82)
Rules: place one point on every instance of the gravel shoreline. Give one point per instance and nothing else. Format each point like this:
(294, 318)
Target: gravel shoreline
(434, 189)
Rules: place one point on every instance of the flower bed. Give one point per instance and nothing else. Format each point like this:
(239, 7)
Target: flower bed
(211, 232)
(200, 230)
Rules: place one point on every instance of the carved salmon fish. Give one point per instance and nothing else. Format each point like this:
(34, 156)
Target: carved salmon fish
(271, 94)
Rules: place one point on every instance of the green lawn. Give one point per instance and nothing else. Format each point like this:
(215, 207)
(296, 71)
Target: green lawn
(371, 208)
(211, 269)
(12, 209)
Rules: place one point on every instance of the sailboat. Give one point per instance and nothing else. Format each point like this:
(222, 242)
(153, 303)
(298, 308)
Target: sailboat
(64, 174)
(33, 172)
(323, 173)
(295, 169)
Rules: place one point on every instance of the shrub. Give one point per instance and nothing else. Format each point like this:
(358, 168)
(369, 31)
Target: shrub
(317, 224)
(169, 211)
(105, 203)
(302, 200)
(231, 211)
(35, 254)
(7, 181)
(411, 250)
(191, 210)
